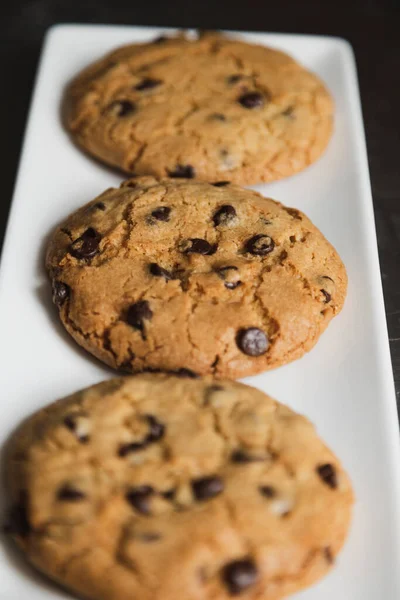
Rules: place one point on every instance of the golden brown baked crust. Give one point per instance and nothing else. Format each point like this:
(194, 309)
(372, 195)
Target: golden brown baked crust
(172, 273)
(215, 108)
(159, 488)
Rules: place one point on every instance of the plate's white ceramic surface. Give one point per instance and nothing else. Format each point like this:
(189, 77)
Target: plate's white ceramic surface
(344, 385)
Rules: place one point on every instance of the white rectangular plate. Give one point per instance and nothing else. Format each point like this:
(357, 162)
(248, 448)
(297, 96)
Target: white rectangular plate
(344, 385)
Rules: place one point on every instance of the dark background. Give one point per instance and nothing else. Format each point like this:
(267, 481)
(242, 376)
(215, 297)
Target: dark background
(371, 26)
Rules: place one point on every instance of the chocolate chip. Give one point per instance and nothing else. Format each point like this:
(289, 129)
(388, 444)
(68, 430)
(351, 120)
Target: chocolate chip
(157, 429)
(221, 183)
(260, 245)
(252, 341)
(17, 522)
(139, 498)
(161, 213)
(185, 171)
(87, 245)
(70, 494)
(241, 456)
(268, 491)
(234, 78)
(207, 487)
(148, 84)
(169, 495)
(288, 112)
(327, 295)
(328, 475)
(100, 206)
(217, 117)
(158, 271)
(137, 313)
(183, 372)
(199, 246)
(60, 292)
(328, 555)
(126, 449)
(224, 215)
(71, 422)
(293, 212)
(239, 575)
(251, 100)
(228, 275)
(283, 256)
(160, 40)
(121, 108)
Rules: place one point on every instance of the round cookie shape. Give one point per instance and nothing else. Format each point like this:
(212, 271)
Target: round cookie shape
(161, 487)
(226, 283)
(214, 108)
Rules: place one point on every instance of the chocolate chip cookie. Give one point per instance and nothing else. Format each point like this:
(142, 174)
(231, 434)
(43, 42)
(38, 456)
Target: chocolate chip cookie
(174, 273)
(161, 487)
(213, 108)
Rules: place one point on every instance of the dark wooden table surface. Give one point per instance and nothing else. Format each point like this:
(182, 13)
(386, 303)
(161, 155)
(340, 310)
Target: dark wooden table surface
(372, 27)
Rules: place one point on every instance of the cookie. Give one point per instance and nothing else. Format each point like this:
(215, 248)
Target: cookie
(159, 487)
(214, 108)
(173, 273)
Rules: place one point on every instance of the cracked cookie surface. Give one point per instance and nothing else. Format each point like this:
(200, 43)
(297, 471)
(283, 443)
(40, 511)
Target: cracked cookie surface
(170, 274)
(159, 487)
(214, 108)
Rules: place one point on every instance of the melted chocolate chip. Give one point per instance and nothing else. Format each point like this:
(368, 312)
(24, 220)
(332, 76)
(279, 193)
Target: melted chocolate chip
(185, 171)
(70, 494)
(260, 245)
(161, 213)
(148, 84)
(126, 449)
(169, 495)
(268, 491)
(157, 429)
(139, 497)
(17, 522)
(158, 271)
(87, 245)
(328, 475)
(207, 487)
(61, 292)
(241, 456)
(221, 183)
(234, 78)
(121, 108)
(327, 295)
(239, 575)
(199, 246)
(100, 206)
(224, 215)
(137, 313)
(227, 274)
(70, 421)
(251, 100)
(252, 341)
(283, 256)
